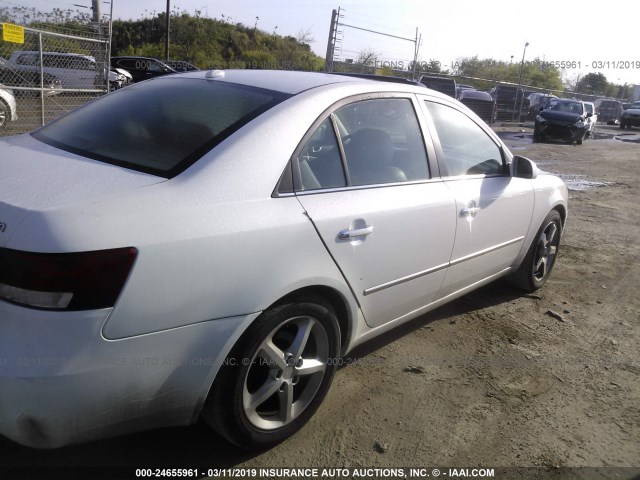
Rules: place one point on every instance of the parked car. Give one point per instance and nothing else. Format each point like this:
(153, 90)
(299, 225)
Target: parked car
(591, 119)
(210, 244)
(440, 84)
(509, 101)
(481, 103)
(119, 78)
(608, 111)
(630, 117)
(8, 108)
(15, 78)
(537, 101)
(142, 68)
(74, 71)
(461, 87)
(564, 119)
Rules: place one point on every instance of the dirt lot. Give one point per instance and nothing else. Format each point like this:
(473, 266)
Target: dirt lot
(495, 379)
(503, 379)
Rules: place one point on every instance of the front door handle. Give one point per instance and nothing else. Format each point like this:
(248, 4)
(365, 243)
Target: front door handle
(358, 232)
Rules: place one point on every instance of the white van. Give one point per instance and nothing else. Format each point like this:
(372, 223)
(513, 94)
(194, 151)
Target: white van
(74, 71)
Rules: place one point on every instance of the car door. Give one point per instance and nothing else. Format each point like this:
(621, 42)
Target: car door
(493, 209)
(363, 178)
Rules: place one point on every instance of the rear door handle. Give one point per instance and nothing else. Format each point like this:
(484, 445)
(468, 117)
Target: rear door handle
(358, 232)
(469, 212)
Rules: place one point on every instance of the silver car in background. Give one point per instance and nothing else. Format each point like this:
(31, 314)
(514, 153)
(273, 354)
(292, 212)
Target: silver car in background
(8, 107)
(208, 245)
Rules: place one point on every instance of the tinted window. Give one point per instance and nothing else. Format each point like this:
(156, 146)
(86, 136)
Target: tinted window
(467, 149)
(130, 64)
(28, 59)
(159, 127)
(566, 107)
(382, 142)
(320, 162)
(156, 67)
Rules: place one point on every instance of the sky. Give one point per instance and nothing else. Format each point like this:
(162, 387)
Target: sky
(590, 40)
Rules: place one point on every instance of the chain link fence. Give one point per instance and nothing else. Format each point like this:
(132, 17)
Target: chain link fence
(509, 102)
(47, 75)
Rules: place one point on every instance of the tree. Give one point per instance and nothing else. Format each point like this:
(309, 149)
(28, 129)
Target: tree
(367, 57)
(535, 73)
(592, 83)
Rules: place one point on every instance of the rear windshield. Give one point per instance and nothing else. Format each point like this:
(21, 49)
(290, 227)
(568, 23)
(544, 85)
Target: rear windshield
(160, 127)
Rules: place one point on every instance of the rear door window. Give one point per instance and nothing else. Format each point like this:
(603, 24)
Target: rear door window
(368, 142)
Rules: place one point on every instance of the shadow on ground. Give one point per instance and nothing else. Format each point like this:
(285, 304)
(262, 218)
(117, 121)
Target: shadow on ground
(197, 445)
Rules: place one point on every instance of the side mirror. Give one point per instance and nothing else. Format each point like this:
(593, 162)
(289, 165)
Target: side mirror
(522, 167)
(541, 109)
(589, 114)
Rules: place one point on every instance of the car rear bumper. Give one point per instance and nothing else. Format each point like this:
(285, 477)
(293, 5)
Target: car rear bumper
(62, 382)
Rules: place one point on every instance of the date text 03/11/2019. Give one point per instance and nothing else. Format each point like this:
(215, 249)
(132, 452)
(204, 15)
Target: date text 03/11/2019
(325, 473)
(595, 64)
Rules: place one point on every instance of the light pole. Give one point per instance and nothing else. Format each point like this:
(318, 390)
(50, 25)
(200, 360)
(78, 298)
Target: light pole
(520, 85)
(166, 38)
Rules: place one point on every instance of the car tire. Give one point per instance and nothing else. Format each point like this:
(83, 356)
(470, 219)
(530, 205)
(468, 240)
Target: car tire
(261, 395)
(537, 138)
(5, 114)
(540, 258)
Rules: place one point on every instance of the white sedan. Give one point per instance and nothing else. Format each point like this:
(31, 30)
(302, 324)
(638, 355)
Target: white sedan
(208, 245)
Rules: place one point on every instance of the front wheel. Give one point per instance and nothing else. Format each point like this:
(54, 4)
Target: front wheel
(276, 376)
(537, 137)
(541, 256)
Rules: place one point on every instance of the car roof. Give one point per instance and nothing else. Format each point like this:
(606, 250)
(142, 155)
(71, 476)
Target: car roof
(120, 57)
(572, 100)
(292, 82)
(61, 54)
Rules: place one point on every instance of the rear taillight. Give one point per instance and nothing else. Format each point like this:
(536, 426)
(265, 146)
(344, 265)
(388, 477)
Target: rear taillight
(64, 281)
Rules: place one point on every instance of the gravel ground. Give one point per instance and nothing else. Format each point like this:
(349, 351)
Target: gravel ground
(502, 379)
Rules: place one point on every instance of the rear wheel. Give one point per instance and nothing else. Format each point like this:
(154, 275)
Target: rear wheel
(276, 376)
(541, 256)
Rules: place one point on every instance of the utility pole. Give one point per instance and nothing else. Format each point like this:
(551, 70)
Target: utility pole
(97, 14)
(331, 42)
(166, 38)
(415, 53)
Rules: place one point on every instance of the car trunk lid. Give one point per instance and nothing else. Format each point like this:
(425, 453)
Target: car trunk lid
(35, 177)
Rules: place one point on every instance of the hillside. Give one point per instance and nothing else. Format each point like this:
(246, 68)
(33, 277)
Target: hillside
(213, 43)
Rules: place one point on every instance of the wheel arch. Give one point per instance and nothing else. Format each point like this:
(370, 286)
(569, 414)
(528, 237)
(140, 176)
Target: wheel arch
(334, 298)
(563, 213)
